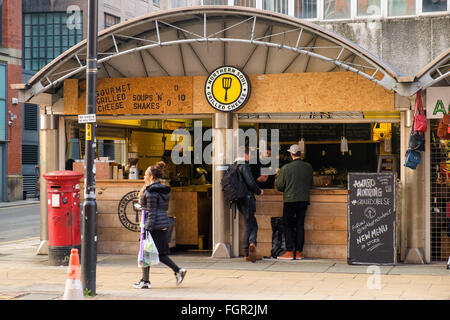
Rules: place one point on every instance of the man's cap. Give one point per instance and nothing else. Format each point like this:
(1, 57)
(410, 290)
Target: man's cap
(294, 149)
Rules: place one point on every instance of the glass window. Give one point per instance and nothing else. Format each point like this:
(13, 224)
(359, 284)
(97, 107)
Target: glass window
(305, 9)
(245, 3)
(215, 2)
(45, 36)
(111, 20)
(280, 6)
(401, 7)
(336, 9)
(156, 2)
(434, 5)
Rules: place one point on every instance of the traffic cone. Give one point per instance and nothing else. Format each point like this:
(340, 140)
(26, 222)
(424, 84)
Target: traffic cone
(74, 288)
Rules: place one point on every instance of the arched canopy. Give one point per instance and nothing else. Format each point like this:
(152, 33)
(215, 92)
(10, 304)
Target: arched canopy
(436, 73)
(194, 41)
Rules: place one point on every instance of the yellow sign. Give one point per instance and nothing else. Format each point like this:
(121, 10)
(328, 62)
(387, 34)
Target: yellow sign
(227, 89)
(89, 131)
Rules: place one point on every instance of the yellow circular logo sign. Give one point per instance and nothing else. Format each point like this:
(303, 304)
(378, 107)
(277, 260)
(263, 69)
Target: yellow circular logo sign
(227, 89)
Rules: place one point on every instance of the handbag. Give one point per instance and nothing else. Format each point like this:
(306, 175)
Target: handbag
(413, 158)
(443, 127)
(416, 140)
(420, 119)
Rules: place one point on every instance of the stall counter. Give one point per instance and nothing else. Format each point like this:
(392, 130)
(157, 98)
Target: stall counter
(325, 223)
(192, 205)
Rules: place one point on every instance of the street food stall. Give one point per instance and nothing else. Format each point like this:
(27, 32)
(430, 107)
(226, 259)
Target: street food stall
(166, 79)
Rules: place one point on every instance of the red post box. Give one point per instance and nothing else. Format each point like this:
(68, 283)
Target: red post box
(63, 190)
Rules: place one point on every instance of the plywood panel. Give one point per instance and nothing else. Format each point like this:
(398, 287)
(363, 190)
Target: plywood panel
(325, 223)
(291, 92)
(186, 212)
(307, 92)
(135, 96)
(71, 95)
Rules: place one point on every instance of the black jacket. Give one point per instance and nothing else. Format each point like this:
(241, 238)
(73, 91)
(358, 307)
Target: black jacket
(247, 176)
(155, 202)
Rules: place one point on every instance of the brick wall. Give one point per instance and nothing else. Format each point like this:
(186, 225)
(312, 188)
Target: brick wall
(12, 24)
(12, 39)
(14, 74)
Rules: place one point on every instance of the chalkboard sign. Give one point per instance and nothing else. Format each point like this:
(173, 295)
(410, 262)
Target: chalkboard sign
(371, 218)
(320, 131)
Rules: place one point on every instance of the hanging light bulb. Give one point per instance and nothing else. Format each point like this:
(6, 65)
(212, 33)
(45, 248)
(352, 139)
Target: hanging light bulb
(301, 144)
(344, 145)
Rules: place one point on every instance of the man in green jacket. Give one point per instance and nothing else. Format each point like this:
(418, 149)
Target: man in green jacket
(294, 180)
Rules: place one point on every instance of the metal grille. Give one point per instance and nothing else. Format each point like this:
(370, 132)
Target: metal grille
(30, 117)
(440, 196)
(29, 184)
(30, 154)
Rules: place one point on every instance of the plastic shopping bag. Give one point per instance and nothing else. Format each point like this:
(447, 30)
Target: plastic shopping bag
(148, 253)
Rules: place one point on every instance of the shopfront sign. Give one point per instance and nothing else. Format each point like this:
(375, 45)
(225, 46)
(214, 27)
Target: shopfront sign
(371, 218)
(438, 102)
(128, 215)
(118, 96)
(227, 89)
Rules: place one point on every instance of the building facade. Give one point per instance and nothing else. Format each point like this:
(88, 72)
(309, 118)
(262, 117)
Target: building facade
(49, 29)
(10, 109)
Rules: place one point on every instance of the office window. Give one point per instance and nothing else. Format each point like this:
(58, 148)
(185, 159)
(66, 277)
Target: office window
(46, 36)
(111, 20)
(369, 8)
(156, 3)
(401, 7)
(280, 6)
(434, 5)
(305, 9)
(215, 2)
(245, 3)
(336, 9)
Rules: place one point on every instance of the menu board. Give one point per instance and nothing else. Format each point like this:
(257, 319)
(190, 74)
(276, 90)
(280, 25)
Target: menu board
(371, 218)
(321, 131)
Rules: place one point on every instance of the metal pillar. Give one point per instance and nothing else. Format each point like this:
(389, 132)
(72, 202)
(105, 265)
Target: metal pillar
(221, 210)
(48, 137)
(89, 211)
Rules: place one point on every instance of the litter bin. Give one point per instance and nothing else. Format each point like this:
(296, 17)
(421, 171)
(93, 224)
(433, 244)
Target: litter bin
(63, 190)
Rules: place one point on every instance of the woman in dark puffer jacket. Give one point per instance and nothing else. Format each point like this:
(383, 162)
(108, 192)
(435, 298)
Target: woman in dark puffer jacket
(154, 199)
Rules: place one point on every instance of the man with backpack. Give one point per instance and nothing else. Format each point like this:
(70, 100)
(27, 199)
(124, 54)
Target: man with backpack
(240, 187)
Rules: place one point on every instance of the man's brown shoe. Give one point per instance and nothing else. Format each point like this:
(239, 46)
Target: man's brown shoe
(252, 252)
(288, 255)
(246, 258)
(298, 255)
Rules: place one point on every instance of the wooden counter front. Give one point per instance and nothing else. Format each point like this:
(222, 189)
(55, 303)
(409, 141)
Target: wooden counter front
(189, 205)
(325, 223)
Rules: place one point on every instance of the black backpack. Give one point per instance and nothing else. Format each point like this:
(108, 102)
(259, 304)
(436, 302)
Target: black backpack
(233, 185)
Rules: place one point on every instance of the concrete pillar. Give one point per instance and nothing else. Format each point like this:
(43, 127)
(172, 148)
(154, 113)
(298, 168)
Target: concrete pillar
(413, 216)
(48, 162)
(221, 211)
